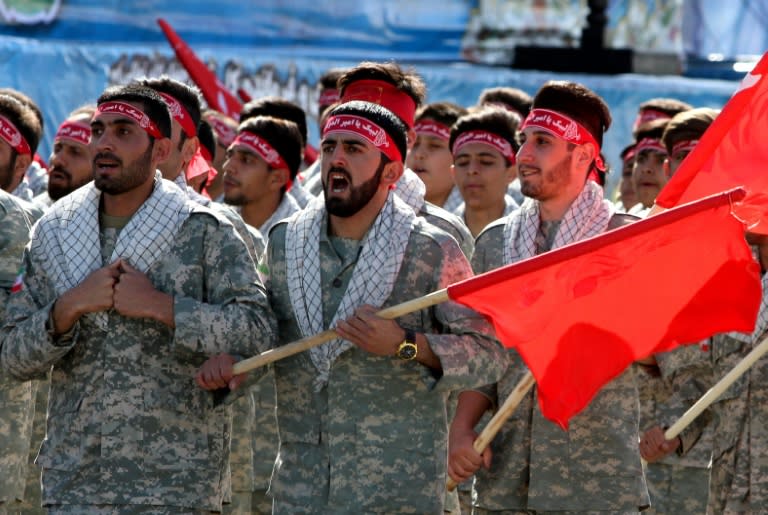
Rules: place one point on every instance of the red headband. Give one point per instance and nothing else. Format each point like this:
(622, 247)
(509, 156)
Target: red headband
(74, 131)
(565, 128)
(132, 112)
(13, 137)
(180, 114)
(486, 138)
(328, 96)
(265, 150)
(686, 144)
(371, 132)
(629, 155)
(384, 94)
(649, 115)
(650, 144)
(433, 128)
(224, 133)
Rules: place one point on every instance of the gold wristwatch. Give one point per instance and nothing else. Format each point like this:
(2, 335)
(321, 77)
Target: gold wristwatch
(408, 349)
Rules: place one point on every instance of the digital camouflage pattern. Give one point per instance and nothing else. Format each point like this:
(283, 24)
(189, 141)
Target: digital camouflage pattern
(536, 466)
(16, 398)
(451, 224)
(679, 482)
(375, 438)
(739, 479)
(126, 423)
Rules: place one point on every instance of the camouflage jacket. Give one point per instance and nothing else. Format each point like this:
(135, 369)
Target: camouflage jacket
(594, 466)
(126, 423)
(16, 406)
(375, 438)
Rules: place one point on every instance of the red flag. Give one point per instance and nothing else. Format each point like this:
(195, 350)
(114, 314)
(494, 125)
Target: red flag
(581, 314)
(215, 93)
(731, 153)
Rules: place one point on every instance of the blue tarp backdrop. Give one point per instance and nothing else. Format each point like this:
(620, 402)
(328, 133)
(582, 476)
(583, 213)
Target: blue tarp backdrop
(281, 48)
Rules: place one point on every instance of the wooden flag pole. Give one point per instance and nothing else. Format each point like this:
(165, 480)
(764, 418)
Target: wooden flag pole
(716, 391)
(501, 416)
(290, 349)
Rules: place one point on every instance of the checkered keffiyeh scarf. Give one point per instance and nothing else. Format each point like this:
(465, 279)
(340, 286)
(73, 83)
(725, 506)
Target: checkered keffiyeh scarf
(411, 190)
(285, 208)
(373, 278)
(67, 237)
(588, 216)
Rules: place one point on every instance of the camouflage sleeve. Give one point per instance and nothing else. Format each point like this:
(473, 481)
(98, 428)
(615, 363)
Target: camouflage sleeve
(691, 434)
(468, 350)
(27, 348)
(235, 316)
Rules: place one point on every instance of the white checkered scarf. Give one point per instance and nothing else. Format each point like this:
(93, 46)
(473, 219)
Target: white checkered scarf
(411, 190)
(373, 278)
(587, 216)
(67, 237)
(285, 208)
(761, 325)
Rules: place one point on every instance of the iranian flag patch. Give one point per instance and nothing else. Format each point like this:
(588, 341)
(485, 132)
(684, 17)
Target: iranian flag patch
(18, 284)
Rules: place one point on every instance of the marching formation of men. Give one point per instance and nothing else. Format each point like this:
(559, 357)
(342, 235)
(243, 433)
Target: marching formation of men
(163, 243)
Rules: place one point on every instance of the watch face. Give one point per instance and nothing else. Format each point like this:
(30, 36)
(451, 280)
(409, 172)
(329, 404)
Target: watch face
(407, 351)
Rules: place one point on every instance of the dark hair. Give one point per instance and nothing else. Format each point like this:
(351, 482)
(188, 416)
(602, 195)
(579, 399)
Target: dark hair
(206, 137)
(443, 112)
(23, 117)
(330, 77)
(495, 120)
(626, 150)
(407, 81)
(150, 100)
(27, 101)
(382, 117)
(668, 106)
(653, 129)
(514, 98)
(277, 107)
(188, 96)
(688, 125)
(577, 102)
(283, 135)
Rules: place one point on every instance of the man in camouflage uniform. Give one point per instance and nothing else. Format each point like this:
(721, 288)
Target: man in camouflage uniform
(362, 418)
(128, 288)
(16, 405)
(261, 165)
(535, 466)
(184, 103)
(71, 166)
(678, 479)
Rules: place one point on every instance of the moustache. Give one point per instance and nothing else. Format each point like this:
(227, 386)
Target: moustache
(107, 155)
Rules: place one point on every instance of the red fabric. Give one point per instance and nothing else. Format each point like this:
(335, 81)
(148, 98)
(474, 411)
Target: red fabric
(581, 314)
(215, 93)
(731, 153)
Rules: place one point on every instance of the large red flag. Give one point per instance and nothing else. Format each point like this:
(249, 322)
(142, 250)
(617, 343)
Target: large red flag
(216, 94)
(731, 153)
(581, 314)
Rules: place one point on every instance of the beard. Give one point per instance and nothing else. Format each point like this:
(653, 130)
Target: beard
(550, 181)
(359, 196)
(57, 189)
(131, 176)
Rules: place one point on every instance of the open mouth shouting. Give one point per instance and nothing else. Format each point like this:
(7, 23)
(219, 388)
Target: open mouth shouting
(338, 181)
